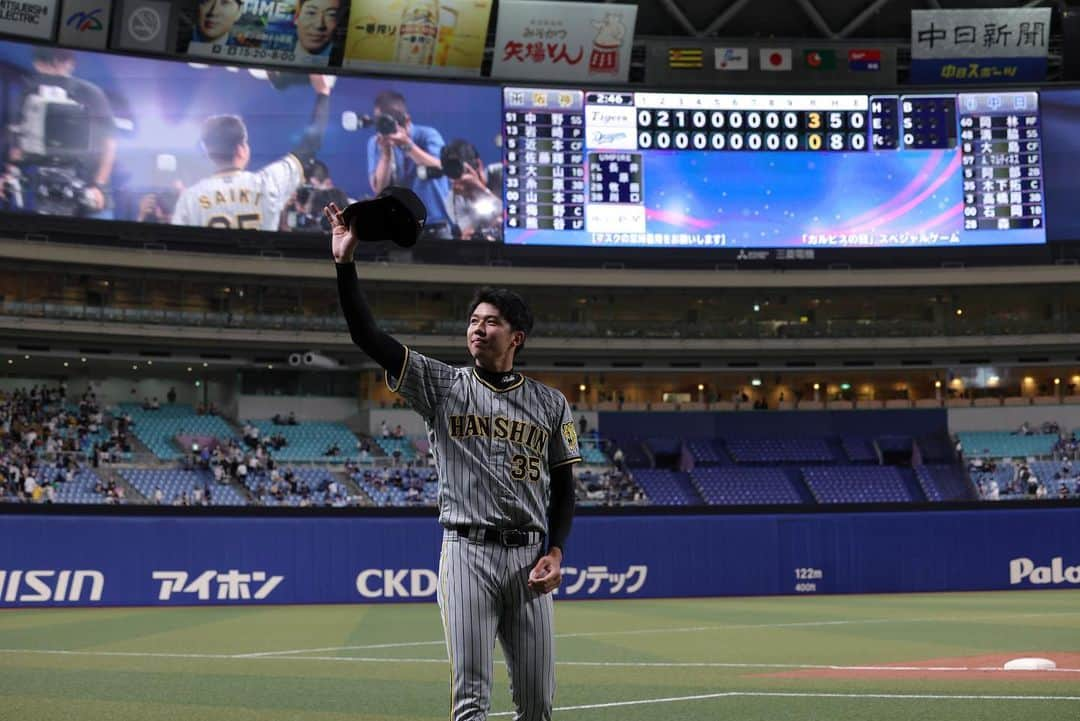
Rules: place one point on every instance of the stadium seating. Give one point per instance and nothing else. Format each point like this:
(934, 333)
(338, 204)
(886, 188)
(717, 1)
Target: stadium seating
(384, 488)
(402, 445)
(309, 441)
(708, 452)
(859, 450)
(591, 452)
(80, 489)
(732, 485)
(316, 480)
(780, 450)
(1004, 444)
(857, 484)
(944, 483)
(176, 483)
(666, 488)
(158, 429)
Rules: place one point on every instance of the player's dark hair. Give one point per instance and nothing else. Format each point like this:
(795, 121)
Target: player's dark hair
(50, 56)
(511, 306)
(221, 136)
(391, 102)
(461, 149)
(317, 170)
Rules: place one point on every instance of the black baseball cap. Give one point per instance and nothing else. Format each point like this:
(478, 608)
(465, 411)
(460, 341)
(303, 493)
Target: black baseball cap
(396, 214)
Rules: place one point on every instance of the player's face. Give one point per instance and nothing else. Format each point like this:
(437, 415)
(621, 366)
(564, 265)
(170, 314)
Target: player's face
(316, 23)
(216, 17)
(490, 338)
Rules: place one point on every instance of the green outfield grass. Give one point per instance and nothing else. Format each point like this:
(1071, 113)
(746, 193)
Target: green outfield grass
(624, 660)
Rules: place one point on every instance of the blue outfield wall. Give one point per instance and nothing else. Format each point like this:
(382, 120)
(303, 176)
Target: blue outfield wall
(140, 560)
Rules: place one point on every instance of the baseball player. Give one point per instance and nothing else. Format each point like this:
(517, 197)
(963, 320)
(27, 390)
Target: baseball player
(234, 197)
(504, 445)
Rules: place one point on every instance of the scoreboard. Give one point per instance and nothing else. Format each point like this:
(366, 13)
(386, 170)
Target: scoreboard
(588, 167)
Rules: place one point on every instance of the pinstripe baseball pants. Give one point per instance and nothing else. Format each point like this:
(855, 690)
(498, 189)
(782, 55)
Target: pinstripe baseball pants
(483, 594)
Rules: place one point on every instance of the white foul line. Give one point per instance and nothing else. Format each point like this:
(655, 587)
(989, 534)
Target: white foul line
(766, 694)
(613, 664)
(643, 631)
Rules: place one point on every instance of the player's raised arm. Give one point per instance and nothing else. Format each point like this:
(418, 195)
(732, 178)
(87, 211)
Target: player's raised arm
(380, 346)
(312, 137)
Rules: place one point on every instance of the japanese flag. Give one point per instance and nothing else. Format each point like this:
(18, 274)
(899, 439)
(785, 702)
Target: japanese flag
(775, 58)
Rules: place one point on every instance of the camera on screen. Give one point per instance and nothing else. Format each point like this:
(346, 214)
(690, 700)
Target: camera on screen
(383, 124)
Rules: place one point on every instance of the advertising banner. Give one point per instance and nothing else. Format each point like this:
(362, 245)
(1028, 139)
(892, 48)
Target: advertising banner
(117, 561)
(565, 41)
(85, 24)
(987, 45)
(305, 33)
(29, 19)
(441, 37)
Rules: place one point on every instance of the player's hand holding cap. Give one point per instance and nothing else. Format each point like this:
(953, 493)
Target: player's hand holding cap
(396, 214)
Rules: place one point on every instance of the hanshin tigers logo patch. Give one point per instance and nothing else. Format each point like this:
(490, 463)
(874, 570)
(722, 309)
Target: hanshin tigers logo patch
(569, 432)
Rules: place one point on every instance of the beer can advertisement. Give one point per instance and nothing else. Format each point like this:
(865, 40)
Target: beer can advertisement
(444, 37)
(308, 33)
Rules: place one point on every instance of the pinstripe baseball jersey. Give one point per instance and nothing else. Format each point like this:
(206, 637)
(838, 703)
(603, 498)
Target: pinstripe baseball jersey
(240, 198)
(494, 448)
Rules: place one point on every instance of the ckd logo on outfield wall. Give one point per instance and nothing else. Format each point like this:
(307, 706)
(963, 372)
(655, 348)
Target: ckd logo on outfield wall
(41, 586)
(397, 583)
(1024, 569)
(231, 585)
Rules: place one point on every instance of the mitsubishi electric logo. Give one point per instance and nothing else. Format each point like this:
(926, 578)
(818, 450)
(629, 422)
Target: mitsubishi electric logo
(41, 586)
(1024, 569)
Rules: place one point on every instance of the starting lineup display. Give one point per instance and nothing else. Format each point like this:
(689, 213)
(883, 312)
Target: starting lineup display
(780, 170)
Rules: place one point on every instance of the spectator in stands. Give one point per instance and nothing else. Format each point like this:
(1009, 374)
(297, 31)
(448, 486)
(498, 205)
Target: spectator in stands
(583, 426)
(1024, 430)
(333, 450)
(399, 432)
(384, 429)
(155, 404)
(171, 395)
(1063, 490)
(619, 458)
(292, 419)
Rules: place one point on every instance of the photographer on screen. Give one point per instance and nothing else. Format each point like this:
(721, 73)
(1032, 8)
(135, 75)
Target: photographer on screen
(65, 140)
(474, 205)
(397, 152)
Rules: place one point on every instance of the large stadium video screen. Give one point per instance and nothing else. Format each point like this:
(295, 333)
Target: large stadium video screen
(92, 135)
(684, 170)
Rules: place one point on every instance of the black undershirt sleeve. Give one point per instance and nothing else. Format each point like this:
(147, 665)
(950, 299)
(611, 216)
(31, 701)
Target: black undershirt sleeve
(380, 346)
(561, 508)
(312, 137)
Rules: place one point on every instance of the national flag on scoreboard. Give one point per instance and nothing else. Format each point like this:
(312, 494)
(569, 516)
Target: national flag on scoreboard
(820, 59)
(864, 60)
(732, 58)
(686, 58)
(775, 58)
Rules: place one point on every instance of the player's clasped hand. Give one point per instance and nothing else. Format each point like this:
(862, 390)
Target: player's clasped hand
(546, 575)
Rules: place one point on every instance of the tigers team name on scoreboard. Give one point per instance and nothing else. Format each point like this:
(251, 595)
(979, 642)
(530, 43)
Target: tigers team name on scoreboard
(1001, 152)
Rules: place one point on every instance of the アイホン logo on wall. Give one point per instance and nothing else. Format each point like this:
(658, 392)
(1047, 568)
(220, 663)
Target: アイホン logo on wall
(1024, 569)
(42, 586)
